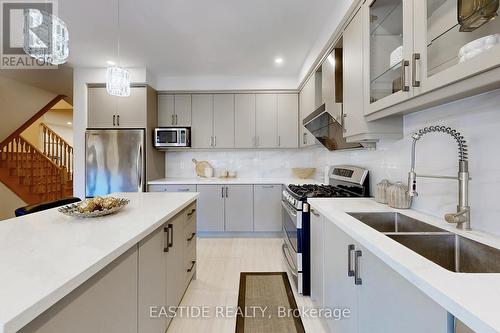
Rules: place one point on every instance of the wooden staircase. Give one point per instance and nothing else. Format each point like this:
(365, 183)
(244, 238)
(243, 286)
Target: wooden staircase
(34, 175)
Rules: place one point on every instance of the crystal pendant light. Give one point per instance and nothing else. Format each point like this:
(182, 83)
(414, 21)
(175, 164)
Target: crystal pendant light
(118, 78)
(46, 37)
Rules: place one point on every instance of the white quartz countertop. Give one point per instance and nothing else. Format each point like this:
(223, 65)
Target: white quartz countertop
(46, 255)
(215, 180)
(473, 298)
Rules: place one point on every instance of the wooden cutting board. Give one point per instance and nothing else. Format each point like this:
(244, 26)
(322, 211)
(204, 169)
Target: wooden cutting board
(200, 167)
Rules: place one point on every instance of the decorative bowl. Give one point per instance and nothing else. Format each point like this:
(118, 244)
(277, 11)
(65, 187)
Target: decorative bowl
(76, 209)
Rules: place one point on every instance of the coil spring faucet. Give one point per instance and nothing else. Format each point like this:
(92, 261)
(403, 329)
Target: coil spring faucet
(462, 216)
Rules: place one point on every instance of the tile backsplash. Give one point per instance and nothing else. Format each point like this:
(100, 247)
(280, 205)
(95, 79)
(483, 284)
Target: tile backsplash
(247, 163)
(477, 118)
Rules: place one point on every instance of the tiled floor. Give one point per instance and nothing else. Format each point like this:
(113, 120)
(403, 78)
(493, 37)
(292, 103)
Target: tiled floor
(220, 261)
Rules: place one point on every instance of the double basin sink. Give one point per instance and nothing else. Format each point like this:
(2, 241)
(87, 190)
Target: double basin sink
(450, 251)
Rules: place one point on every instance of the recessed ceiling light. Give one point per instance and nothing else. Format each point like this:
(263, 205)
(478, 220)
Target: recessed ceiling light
(110, 62)
(278, 61)
(69, 123)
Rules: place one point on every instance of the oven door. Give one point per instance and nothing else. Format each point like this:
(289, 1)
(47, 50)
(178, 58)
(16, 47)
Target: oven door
(291, 226)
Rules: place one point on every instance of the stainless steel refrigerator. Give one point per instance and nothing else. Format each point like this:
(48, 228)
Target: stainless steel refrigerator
(114, 161)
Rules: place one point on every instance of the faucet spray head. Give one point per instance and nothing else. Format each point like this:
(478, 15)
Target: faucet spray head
(412, 184)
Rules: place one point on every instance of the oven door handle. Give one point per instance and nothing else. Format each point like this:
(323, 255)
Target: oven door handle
(288, 209)
(292, 269)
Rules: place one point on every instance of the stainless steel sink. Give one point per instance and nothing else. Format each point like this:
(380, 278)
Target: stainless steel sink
(450, 251)
(453, 252)
(388, 222)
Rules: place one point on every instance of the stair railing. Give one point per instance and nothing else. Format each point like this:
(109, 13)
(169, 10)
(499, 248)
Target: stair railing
(57, 150)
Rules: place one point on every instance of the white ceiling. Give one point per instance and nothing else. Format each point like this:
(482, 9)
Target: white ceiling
(203, 38)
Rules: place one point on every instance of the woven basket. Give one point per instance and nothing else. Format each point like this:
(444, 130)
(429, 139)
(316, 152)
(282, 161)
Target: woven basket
(304, 173)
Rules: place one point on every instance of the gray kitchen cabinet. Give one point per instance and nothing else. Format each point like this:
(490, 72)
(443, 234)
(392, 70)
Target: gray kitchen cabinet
(202, 121)
(267, 208)
(182, 106)
(223, 114)
(107, 302)
(174, 110)
(238, 208)
(308, 102)
(339, 289)
(288, 109)
(166, 110)
(175, 259)
(356, 127)
(394, 304)
(172, 188)
(244, 120)
(381, 300)
(152, 281)
(266, 120)
(106, 111)
(317, 258)
(211, 208)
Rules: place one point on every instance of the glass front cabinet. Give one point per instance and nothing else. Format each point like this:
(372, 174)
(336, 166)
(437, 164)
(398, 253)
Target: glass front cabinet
(416, 46)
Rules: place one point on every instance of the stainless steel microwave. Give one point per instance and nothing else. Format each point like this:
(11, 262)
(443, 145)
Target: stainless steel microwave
(165, 137)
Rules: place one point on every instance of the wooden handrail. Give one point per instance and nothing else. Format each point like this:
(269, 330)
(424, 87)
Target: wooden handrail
(30, 121)
(58, 150)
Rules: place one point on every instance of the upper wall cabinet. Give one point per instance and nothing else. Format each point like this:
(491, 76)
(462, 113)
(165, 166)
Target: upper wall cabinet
(174, 110)
(388, 40)
(106, 111)
(448, 46)
(356, 127)
(424, 53)
(309, 100)
(288, 106)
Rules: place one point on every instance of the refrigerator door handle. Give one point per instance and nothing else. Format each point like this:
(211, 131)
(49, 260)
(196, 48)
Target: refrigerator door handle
(139, 170)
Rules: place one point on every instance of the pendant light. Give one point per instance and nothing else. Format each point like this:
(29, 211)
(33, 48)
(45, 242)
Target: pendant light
(118, 78)
(46, 37)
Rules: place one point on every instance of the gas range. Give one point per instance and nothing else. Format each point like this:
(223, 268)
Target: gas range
(343, 181)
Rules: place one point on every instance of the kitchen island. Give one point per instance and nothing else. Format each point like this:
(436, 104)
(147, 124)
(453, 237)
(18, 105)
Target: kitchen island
(49, 261)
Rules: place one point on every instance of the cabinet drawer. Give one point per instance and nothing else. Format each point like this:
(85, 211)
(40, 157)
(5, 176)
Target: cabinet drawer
(172, 188)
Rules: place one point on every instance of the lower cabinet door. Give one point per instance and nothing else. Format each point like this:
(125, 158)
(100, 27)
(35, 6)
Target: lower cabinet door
(267, 208)
(152, 281)
(387, 302)
(317, 258)
(239, 207)
(107, 302)
(175, 260)
(210, 208)
(339, 289)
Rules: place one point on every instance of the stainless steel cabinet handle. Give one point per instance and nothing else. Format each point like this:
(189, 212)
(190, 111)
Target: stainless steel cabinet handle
(414, 81)
(304, 138)
(222, 191)
(192, 236)
(173, 122)
(176, 120)
(357, 279)
(404, 86)
(192, 266)
(165, 238)
(227, 191)
(118, 120)
(191, 212)
(171, 234)
(183, 190)
(114, 120)
(210, 142)
(215, 141)
(267, 186)
(314, 212)
(350, 271)
(279, 141)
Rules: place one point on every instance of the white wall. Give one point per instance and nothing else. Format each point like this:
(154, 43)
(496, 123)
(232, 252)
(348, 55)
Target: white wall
(82, 77)
(9, 202)
(478, 119)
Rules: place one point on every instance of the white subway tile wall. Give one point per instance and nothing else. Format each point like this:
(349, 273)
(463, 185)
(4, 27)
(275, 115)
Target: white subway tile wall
(477, 118)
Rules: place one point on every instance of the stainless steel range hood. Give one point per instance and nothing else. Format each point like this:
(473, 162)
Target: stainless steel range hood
(330, 132)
